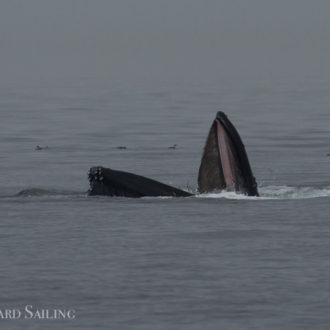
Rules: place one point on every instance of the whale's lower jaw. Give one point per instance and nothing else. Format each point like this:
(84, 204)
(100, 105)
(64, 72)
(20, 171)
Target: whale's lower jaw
(224, 164)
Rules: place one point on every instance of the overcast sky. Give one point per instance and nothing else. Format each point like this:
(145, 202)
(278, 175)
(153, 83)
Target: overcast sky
(192, 40)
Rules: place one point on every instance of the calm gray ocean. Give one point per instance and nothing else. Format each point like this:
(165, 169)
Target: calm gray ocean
(216, 261)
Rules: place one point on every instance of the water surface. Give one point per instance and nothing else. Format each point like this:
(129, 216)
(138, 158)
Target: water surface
(212, 261)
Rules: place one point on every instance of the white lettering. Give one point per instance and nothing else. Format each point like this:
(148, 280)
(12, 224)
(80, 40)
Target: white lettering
(71, 314)
(11, 314)
(28, 311)
(31, 313)
(16, 314)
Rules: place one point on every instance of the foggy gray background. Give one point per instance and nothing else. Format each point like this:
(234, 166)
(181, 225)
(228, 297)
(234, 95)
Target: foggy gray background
(147, 41)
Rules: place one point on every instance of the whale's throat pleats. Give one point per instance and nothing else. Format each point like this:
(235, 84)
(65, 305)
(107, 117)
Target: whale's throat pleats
(210, 175)
(226, 157)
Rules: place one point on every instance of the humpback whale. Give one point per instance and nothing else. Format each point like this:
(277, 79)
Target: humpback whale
(224, 166)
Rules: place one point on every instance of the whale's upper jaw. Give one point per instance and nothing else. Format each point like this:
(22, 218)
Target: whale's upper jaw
(106, 181)
(225, 164)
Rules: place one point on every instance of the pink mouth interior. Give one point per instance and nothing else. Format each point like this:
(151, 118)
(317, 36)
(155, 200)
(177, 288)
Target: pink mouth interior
(225, 156)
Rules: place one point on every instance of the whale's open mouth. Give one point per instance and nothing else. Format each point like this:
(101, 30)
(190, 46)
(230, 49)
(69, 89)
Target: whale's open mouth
(225, 164)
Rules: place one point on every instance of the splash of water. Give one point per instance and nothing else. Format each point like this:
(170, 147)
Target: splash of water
(266, 193)
(274, 192)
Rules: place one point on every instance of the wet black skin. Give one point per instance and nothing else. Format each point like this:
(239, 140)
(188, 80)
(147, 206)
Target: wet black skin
(105, 181)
